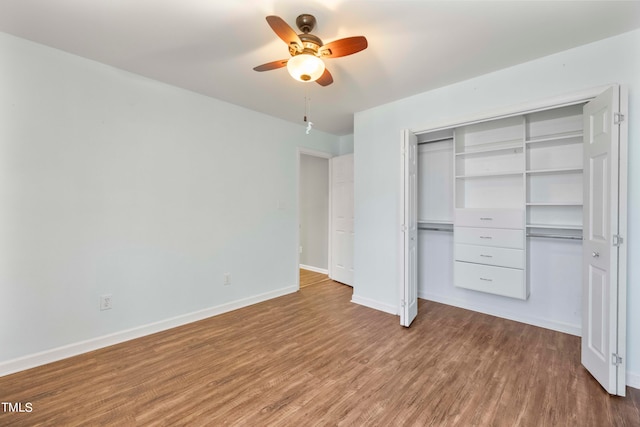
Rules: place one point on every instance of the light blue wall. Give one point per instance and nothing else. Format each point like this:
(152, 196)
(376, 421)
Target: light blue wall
(111, 183)
(346, 144)
(377, 163)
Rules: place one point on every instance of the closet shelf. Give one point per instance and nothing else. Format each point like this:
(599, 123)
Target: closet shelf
(554, 203)
(556, 226)
(560, 137)
(488, 174)
(436, 221)
(492, 147)
(556, 170)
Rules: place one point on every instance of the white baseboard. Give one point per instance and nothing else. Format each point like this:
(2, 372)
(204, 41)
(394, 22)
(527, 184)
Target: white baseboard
(633, 379)
(535, 321)
(377, 305)
(59, 353)
(315, 269)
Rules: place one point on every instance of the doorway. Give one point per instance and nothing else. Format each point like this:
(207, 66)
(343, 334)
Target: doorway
(313, 212)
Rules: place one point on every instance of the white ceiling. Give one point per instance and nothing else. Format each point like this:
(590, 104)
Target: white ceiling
(211, 46)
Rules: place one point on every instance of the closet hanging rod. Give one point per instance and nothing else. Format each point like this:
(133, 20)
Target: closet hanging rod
(435, 228)
(554, 236)
(435, 140)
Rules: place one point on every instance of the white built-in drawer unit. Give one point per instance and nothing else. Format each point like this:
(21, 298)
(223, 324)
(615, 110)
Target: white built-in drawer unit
(497, 237)
(501, 257)
(494, 218)
(489, 251)
(486, 278)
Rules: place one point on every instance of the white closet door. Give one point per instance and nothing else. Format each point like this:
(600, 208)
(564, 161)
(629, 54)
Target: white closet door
(409, 267)
(601, 342)
(342, 219)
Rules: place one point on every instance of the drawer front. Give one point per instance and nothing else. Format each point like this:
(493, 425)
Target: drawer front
(494, 218)
(496, 237)
(513, 258)
(508, 282)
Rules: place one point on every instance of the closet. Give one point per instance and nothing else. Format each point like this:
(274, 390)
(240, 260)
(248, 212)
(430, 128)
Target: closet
(523, 214)
(514, 177)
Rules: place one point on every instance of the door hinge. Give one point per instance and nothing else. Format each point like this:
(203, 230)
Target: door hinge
(615, 359)
(617, 240)
(403, 228)
(618, 118)
(402, 303)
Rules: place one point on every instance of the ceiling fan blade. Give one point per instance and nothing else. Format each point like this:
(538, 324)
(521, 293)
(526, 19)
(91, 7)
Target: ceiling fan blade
(272, 65)
(283, 30)
(344, 47)
(325, 79)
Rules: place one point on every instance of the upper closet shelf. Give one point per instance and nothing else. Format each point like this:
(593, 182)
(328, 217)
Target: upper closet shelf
(492, 147)
(488, 174)
(558, 137)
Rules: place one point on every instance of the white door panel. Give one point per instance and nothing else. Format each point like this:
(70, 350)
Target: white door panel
(342, 231)
(409, 252)
(600, 315)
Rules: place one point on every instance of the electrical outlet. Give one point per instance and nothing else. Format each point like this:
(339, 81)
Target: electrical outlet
(105, 302)
(226, 277)
(300, 249)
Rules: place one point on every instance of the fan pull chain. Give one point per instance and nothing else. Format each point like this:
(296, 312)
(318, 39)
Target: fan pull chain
(305, 107)
(307, 113)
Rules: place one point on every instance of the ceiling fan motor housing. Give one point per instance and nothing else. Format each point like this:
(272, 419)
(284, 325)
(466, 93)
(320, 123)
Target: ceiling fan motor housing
(306, 22)
(310, 42)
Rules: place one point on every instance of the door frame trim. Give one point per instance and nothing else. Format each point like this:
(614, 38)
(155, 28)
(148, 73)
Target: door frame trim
(623, 180)
(516, 110)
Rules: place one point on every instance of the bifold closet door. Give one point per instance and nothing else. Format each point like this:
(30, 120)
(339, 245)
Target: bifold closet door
(409, 250)
(603, 295)
(342, 232)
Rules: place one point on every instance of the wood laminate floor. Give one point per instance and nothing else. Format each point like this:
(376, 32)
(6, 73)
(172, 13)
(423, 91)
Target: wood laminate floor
(314, 358)
(308, 277)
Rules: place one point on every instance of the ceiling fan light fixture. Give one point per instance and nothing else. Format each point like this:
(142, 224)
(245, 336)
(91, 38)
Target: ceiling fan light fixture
(305, 67)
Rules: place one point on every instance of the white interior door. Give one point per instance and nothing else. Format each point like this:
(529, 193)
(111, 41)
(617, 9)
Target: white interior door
(342, 231)
(603, 295)
(409, 251)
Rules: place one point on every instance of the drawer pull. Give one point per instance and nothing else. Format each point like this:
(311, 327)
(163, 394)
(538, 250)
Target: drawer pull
(486, 280)
(486, 256)
(486, 237)
(486, 219)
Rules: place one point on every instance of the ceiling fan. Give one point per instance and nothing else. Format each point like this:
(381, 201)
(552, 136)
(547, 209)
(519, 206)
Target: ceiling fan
(307, 50)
